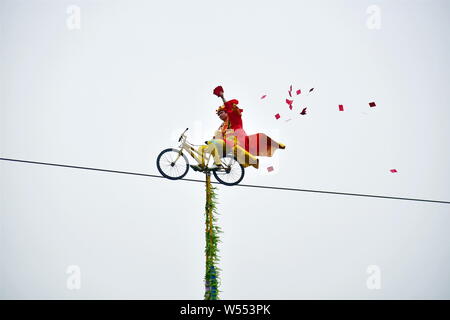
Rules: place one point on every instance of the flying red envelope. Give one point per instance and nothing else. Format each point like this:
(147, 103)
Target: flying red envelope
(372, 104)
(341, 107)
(289, 102)
(277, 116)
(298, 91)
(393, 170)
(270, 169)
(303, 112)
(263, 96)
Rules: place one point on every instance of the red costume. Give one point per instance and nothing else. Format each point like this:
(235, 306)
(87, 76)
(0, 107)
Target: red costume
(257, 144)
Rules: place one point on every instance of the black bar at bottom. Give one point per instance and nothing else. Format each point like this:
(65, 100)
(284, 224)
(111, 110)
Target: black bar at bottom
(226, 309)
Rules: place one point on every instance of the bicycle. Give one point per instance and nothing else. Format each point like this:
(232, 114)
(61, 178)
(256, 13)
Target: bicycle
(173, 164)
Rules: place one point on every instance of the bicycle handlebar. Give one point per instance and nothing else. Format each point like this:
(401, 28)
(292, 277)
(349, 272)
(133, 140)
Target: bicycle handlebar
(182, 134)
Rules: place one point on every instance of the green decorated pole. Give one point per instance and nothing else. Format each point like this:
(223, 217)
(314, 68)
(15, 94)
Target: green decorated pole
(212, 239)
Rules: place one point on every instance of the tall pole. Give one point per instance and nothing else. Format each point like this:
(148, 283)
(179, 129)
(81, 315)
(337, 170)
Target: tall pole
(212, 238)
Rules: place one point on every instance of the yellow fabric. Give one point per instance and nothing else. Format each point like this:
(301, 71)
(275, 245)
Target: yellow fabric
(245, 158)
(218, 150)
(210, 148)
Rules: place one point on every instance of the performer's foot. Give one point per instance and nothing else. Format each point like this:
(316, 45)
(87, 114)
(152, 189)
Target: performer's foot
(256, 165)
(196, 167)
(216, 166)
(281, 146)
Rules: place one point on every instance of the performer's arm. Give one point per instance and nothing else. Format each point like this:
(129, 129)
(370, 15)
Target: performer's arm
(231, 105)
(218, 91)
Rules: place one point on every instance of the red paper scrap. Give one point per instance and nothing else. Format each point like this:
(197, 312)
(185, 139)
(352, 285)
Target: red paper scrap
(277, 116)
(393, 170)
(298, 91)
(263, 96)
(270, 169)
(289, 102)
(290, 94)
(372, 104)
(341, 107)
(303, 112)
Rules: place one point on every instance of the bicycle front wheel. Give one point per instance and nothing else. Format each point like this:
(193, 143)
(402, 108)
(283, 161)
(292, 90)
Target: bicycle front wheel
(172, 164)
(233, 171)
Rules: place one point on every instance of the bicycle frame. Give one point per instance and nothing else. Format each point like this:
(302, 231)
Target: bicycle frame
(185, 145)
(229, 173)
(188, 147)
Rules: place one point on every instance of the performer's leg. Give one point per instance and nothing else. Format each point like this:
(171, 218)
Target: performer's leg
(215, 148)
(246, 158)
(202, 150)
(209, 148)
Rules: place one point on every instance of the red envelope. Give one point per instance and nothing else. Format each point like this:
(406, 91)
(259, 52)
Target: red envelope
(341, 107)
(277, 116)
(393, 170)
(372, 104)
(298, 91)
(263, 96)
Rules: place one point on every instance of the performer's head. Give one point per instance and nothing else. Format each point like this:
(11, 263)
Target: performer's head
(222, 114)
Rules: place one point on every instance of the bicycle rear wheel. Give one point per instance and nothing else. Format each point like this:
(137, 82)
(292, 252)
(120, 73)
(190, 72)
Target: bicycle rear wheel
(233, 171)
(168, 167)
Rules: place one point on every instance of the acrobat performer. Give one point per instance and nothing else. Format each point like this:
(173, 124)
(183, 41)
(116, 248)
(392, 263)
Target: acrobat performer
(232, 138)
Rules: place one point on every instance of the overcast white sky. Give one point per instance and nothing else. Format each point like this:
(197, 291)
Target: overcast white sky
(117, 91)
